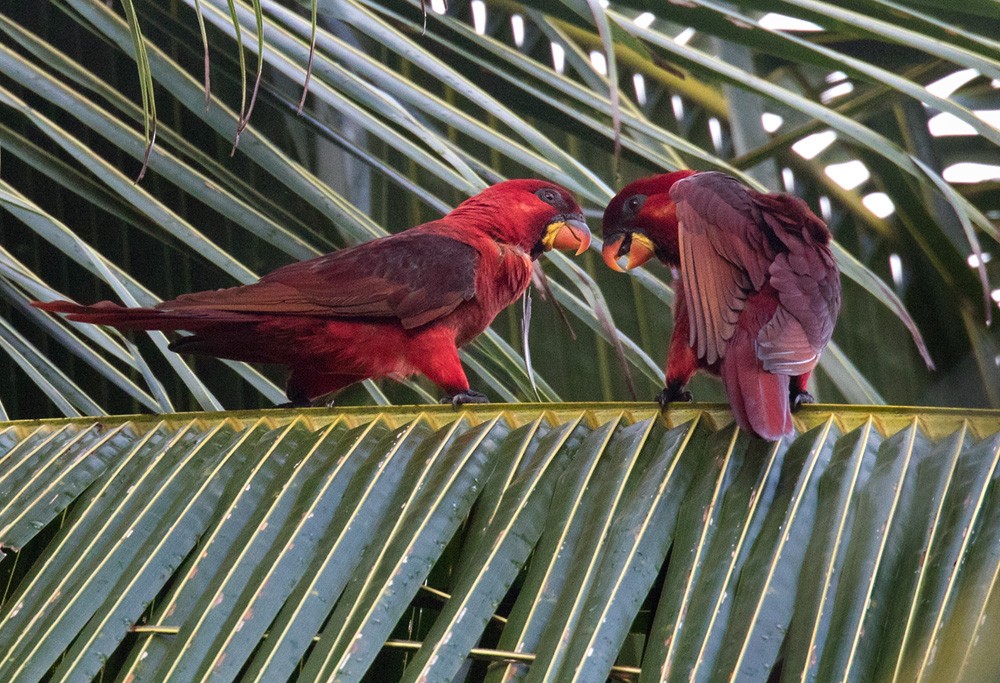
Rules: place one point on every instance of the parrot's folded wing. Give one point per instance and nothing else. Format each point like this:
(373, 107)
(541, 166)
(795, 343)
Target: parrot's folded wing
(412, 277)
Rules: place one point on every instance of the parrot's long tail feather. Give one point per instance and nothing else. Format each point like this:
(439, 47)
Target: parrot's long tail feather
(108, 313)
(758, 398)
(224, 334)
(115, 315)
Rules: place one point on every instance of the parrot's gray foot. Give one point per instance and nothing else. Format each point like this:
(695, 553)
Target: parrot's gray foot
(463, 397)
(295, 404)
(798, 398)
(673, 393)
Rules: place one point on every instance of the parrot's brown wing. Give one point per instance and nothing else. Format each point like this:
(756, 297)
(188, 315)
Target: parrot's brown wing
(724, 256)
(414, 277)
(732, 241)
(808, 283)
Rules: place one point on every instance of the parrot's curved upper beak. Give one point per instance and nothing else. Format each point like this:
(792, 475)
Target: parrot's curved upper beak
(567, 232)
(638, 247)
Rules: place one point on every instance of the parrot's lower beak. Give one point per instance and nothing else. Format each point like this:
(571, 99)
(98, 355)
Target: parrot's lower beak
(610, 252)
(568, 233)
(638, 247)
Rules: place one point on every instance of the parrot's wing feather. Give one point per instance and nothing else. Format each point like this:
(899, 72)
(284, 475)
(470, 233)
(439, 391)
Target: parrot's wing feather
(732, 242)
(724, 256)
(807, 280)
(783, 346)
(808, 285)
(414, 277)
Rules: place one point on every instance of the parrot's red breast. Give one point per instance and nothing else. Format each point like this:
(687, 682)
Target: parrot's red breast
(758, 289)
(394, 306)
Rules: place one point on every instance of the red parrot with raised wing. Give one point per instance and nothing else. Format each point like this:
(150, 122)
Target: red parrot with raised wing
(395, 306)
(757, 288)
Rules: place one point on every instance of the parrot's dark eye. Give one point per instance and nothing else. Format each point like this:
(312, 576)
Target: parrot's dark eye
(634, 203)
(548, 196)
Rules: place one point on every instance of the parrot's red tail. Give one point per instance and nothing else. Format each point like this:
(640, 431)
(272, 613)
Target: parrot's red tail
(109, 313)
(758, 398)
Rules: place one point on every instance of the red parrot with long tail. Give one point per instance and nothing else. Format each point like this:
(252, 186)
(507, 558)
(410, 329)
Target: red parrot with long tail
(757, 289)
(395, 306)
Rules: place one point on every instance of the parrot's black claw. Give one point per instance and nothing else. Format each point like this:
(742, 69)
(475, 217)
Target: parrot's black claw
(464, 397)
(799, 398)
(673, 393)
(294, 404)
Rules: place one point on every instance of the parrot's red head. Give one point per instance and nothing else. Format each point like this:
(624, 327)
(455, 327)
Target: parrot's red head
(535, 215)
(641, 222)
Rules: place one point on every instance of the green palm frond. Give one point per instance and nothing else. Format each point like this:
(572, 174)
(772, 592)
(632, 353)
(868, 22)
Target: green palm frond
(414, 120)
(538, 542)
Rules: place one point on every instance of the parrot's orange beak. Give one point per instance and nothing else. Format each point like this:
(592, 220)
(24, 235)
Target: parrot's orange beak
(640, 250)
(569, 233)
(610, 252)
